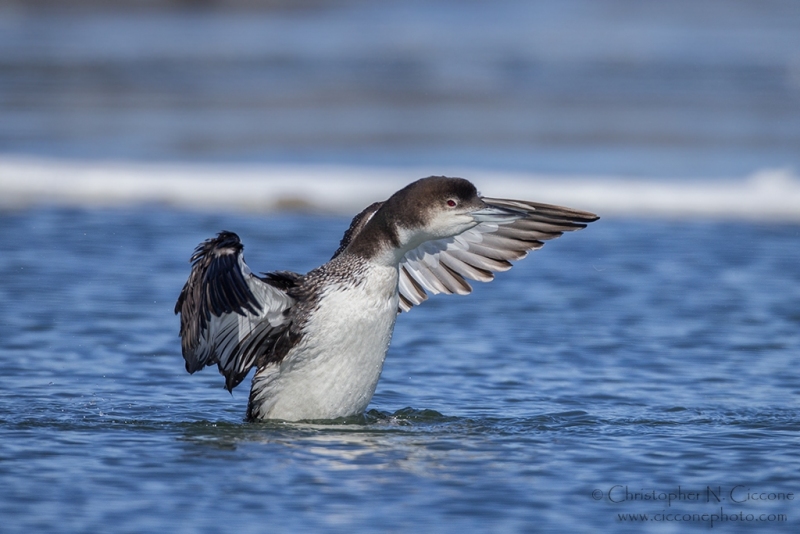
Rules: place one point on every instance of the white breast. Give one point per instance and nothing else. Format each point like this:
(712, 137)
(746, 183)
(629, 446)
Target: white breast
(334, 369)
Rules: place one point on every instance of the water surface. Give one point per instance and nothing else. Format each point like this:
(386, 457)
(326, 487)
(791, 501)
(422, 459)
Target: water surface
(652, 355)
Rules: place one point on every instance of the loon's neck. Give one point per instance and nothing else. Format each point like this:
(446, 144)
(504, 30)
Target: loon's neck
(380, 241)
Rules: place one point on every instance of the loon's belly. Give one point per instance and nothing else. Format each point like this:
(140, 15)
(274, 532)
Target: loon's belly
(334, 369)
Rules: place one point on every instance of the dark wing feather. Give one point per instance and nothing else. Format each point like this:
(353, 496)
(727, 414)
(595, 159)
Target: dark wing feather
(445, 265)
(229, 316)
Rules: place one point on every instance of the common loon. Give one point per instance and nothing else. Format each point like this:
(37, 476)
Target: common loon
(318, 341)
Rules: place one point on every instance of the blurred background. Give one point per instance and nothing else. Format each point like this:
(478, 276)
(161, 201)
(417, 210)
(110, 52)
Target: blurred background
(686, 91)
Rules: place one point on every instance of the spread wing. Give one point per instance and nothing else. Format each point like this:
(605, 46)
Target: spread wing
(445, 265)
(229, 316)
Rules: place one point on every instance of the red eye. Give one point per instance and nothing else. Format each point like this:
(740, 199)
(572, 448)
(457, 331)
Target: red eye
(451, 203)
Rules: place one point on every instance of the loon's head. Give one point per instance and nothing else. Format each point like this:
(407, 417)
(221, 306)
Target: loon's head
(438, 207)
(431, 208)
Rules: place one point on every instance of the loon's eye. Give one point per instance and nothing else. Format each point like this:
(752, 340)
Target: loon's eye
(452, 203)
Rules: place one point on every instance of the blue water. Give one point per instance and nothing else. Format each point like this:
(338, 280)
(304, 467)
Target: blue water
(657, 355)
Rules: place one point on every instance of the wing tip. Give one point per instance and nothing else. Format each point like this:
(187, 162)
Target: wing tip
(224, 241)
(560, 213)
